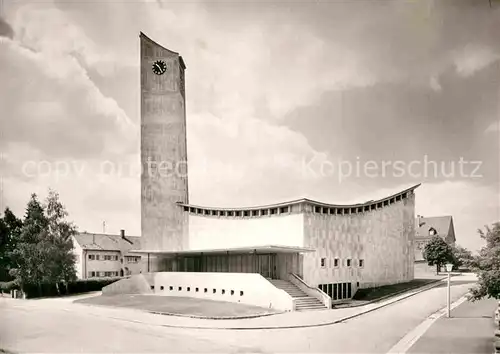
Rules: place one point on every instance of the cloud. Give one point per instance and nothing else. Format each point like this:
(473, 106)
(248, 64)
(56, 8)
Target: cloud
(473, 58)
(5, 29)
(46, 84)
(251, 154)
(434, 83)
(493, 127)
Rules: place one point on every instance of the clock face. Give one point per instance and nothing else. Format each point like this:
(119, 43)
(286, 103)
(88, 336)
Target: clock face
(159, 67)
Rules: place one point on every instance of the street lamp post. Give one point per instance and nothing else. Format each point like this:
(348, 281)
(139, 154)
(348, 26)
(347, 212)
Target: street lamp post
(449, 267)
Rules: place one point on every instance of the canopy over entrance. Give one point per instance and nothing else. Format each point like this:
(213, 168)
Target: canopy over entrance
(239, 250)
(270, 261)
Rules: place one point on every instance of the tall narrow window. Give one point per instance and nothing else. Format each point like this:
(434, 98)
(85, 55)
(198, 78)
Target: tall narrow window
(336, 262)
(361, 263)
(348, 262)
(323, 262)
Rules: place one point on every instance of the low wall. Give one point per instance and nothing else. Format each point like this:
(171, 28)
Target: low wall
(245, 288)
(310, 291)
(136, 284)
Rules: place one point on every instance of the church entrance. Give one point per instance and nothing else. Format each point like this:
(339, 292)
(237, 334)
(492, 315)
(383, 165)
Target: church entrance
(263, 264)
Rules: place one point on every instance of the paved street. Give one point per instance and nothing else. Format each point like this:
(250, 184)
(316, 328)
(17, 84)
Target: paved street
(469, 330)
(59, 326)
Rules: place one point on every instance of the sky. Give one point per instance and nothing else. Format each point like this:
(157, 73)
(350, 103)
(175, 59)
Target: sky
(342, 102)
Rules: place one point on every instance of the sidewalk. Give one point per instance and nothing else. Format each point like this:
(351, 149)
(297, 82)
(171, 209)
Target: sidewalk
(470, 329)
(286, 320)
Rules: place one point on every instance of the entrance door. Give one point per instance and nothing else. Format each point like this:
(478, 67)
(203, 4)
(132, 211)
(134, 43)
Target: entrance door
(274, 266)
(266, 265)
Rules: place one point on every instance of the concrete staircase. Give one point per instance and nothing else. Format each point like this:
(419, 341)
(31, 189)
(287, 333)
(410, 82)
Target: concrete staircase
(304, 302)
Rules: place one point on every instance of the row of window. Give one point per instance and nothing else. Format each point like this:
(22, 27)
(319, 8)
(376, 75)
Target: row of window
(100, 257)
(238, 213)
(103, 274)
(348, 263)
(205, 290)
(287, 209)
(337, 291)
(359, 209)
(106, 257)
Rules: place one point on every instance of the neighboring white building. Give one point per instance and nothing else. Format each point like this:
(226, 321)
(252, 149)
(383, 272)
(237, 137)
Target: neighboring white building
(103, 255)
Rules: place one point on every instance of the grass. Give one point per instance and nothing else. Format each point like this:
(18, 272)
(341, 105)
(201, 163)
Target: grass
(373, 294)
(182, 306)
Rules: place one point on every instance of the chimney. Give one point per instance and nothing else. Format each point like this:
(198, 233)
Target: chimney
(122, 234)
(419, 223)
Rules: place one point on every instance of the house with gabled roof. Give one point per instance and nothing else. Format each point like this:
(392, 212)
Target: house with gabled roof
(429, 227)
(106, 255)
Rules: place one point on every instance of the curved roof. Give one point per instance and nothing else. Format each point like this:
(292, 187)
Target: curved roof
(309, 201)
(144, 37)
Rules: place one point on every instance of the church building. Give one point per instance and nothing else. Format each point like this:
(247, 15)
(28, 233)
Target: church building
(294, 255)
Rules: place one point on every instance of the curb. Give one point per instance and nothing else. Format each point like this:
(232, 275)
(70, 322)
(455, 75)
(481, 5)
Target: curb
(182, 315)
(340, 320)
(216, 318)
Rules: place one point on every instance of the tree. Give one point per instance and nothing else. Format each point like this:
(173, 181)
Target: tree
(462, 257)
(10, 227)
(44, 248)
(487, 265)
(4, 253)
(30, 255)
(62, 269)
(437, 252)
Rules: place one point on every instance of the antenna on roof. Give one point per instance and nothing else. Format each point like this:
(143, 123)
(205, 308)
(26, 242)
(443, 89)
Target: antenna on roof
(104, 227)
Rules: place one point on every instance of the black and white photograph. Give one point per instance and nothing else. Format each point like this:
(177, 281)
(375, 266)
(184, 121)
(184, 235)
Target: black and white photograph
(250, 176)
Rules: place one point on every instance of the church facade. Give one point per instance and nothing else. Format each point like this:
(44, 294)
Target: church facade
(327, 251)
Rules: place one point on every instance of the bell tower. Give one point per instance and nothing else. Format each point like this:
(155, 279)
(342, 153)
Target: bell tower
(164, 179)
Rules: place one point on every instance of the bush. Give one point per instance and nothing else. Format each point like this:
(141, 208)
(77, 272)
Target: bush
(76, 287)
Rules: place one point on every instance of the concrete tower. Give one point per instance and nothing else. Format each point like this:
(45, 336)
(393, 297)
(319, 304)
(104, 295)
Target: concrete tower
(164, 180)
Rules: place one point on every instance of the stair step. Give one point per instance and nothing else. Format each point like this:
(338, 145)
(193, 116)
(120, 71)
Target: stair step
(311, 309)
(310, 305)
(303, 301)
(309, 300)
